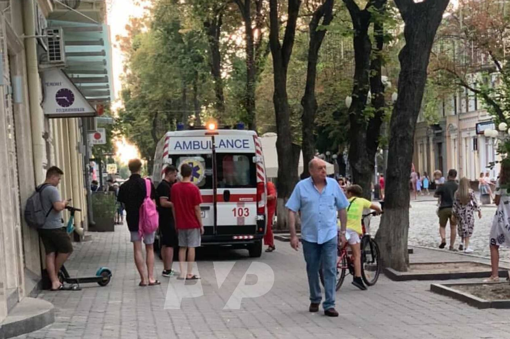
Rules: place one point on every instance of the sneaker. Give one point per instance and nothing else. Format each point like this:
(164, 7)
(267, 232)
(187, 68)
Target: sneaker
(168, 273)
(468, 250)
(359, 283)
(461, 247)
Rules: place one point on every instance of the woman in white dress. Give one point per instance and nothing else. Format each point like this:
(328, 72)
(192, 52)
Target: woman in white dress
(500, 231)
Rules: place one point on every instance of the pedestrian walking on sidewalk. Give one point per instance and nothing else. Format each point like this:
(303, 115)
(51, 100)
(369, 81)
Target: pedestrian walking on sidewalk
(446, 193)
(318, 198)
(382, 185)
(271, 208)
(167, 220)
(186, 198)
(426, 183)
(132, 194)
(500, 231)
(418, 184)
(464, 208)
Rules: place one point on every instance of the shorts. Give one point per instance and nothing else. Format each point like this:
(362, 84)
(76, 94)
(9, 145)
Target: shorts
(168, 235)
(352, 237)
(445, 214)
(148, 239)
(189, 237)
(56, 240)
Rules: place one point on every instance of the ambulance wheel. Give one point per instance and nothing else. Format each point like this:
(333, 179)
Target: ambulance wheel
(255, 249)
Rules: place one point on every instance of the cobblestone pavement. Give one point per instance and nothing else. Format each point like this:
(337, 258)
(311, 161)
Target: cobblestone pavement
(124, 310)
(424, 227)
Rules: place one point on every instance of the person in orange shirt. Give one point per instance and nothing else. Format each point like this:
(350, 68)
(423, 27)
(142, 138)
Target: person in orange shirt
(271, 208)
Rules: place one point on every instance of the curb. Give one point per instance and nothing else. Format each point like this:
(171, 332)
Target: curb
(27, 316)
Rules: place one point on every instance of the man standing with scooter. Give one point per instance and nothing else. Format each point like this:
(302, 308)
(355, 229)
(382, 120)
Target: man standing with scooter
(55, 239)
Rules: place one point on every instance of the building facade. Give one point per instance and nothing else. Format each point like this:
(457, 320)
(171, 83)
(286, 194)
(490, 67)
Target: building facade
(457, 140)
(34, 140)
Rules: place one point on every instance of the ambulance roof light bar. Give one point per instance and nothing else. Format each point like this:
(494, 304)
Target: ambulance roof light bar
(212, 127)
(180, 126)
(240, 125)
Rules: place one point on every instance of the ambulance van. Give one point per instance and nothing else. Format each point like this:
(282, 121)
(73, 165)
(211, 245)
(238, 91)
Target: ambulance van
(228, 168)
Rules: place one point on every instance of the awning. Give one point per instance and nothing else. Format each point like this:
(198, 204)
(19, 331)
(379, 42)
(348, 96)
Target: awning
(271, 157)
(88, 59)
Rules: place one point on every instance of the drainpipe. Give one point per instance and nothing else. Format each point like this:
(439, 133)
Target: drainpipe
(75, 170)
(85, 138)
(36, 113)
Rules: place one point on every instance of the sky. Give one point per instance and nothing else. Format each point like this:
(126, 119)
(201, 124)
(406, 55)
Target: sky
(119, 12)
(118, 17)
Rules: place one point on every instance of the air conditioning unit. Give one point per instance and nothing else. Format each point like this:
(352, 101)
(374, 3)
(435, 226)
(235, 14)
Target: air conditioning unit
(56, 55)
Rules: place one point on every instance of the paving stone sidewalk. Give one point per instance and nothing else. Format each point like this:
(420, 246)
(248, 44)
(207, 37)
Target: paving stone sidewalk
(124, 310)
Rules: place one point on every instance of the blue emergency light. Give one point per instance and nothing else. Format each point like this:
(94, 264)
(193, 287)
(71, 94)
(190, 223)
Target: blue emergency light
(240, 125)
(180, 126)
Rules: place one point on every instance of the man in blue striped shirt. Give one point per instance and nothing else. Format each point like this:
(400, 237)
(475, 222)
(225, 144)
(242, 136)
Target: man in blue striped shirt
(320, 200)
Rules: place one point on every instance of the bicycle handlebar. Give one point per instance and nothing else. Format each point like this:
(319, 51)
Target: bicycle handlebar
(374, 213)
(73, 209)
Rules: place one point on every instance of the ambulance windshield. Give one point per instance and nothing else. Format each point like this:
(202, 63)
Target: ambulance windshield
(236, 171)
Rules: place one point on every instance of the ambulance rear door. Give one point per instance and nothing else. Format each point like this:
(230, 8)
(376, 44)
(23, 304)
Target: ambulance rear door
(236, 186)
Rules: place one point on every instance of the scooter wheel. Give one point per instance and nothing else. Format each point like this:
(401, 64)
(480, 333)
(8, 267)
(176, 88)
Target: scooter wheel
(107, 276)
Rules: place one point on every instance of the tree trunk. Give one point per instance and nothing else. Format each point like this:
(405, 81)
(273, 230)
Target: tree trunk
(309, 101)
(281, 201)
(213, 30)
(376, 87)
(196, 102)
(287, 168)
(184, 104)
(421, 22)
(358, 156)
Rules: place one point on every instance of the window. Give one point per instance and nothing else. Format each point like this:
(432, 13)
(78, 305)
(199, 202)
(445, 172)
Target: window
(202, 174)
(236, 170)
(475, 144)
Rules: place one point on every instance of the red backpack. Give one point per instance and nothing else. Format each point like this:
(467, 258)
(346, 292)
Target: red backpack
(149, 218)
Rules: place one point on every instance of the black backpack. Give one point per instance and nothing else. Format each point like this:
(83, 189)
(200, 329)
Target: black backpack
(35, 216)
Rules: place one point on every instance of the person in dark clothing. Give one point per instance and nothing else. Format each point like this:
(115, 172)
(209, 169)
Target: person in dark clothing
(132, 194)
(446, 193)
(167, 220)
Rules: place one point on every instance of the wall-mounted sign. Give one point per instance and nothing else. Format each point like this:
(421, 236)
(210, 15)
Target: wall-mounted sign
(61, 97)
(98, 137)
(111, 168)
(482, 126)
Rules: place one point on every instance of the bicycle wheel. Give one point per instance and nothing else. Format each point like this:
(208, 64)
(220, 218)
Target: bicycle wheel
(370, 261)
(341, 271)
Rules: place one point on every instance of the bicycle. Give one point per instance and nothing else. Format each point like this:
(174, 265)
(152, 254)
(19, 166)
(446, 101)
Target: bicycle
(370, 259)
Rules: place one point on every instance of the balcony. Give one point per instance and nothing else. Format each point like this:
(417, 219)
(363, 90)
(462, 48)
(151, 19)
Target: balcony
(79, 10)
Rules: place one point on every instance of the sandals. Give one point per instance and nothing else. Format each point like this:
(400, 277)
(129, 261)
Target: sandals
(193, 277)
(155, 283)
(141, 284)
(270, 249)
(491, 280)
(71, 287)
